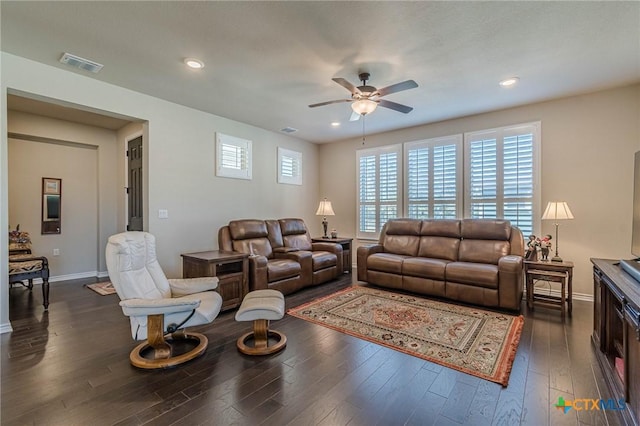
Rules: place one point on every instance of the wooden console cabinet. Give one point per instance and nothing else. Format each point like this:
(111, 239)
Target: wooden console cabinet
(616, 333)
(231, 268)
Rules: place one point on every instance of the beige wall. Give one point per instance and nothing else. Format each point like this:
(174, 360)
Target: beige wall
(180, 148)
(588, 143)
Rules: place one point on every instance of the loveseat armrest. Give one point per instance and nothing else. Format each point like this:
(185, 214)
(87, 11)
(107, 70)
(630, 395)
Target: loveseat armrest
(184, 286)
(285, 249)
(363, 253)
(258, 279)
(334, 248)
(510, 283)
(305, 259)
(146, 307)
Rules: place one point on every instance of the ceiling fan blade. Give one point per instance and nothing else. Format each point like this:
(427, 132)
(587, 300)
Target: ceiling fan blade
(398, 87)
(395, 106)
(354, 116)
(344, 83)
(330, 102)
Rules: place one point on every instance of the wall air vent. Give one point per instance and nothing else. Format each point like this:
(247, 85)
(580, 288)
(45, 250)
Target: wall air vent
(288, 130)
(82, 63)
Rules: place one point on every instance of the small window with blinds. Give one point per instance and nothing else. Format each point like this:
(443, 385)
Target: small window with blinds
(501, 174)
(433, 178)
(379, 188)
(289, 166)
(233, 157)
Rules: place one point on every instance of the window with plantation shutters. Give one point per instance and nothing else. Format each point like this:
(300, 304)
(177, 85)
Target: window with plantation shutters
(433, 178)
(500, 167)
(379, 188)
(233, 157)
(289, 166)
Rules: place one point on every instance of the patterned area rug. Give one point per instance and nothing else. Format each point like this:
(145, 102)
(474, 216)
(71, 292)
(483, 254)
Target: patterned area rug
(103, 289)
(474, 341)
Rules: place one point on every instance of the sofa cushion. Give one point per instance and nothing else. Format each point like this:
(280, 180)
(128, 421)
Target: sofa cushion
(295, 233)
(247, 228)
(401, 236)
(441, 228)
(323, 259)
(482, 251)
(253, 246)
(479, 274)
(386, 262)
(425, 268)
(439, 247)
(280, 269)
(486, 229)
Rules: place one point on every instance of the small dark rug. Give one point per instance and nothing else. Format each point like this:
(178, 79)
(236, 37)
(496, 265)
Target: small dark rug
(475, 341)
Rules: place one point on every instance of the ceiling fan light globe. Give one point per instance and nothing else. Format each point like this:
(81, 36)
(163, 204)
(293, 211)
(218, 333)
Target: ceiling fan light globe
(364, 106)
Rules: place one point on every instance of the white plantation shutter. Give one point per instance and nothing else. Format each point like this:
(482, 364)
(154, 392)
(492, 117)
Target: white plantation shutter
(289, 166)
(233, 157)
(501, 174)
(434, 178)
(379, 188)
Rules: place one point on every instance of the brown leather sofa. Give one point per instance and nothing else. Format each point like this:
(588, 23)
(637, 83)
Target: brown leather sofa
(282, 254)
(477, 261)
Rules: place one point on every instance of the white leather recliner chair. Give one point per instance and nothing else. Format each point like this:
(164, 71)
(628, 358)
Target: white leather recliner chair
(159, 308)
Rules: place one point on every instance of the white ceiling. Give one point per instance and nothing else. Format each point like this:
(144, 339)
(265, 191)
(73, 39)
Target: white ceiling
(266, 61)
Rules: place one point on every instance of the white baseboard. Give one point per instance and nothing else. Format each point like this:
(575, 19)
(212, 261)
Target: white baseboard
(90, 274)
(5, 328)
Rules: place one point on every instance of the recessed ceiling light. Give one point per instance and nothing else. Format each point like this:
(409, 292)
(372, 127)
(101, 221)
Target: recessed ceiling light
(194, 63)
(509, 82)
(335, 123)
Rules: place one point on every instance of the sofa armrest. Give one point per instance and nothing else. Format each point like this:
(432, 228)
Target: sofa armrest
(363, 253)
(258, 273)
(510, 282)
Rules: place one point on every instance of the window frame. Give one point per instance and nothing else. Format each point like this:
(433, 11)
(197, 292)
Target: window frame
(296, 178)
(430, 144)
(245, 146)
(377, 152)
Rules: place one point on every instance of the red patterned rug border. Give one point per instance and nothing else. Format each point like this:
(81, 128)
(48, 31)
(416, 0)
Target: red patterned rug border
(506, 359)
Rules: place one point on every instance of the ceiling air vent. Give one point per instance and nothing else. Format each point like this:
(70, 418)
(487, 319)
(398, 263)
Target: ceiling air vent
(288, 130)
(82, 63)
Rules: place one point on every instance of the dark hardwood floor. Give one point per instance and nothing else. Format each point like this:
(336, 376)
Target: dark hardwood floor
(71, 367)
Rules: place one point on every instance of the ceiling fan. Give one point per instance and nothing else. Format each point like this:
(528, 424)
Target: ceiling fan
(365, 99)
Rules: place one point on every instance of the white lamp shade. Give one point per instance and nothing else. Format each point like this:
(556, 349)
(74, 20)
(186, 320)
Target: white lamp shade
(364, 106)
(557, 210)
(325, 209)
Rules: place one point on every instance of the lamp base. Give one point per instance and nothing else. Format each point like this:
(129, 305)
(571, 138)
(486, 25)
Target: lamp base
(324, 227)
(556, 258)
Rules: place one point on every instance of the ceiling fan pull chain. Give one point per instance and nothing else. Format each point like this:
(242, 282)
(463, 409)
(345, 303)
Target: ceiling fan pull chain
(363, 118)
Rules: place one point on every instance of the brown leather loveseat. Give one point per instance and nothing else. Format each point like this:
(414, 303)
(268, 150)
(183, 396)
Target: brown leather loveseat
(477, 261)
(282, 254)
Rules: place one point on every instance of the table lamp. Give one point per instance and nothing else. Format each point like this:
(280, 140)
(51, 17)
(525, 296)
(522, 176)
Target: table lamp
(325, 209)
(557, 210)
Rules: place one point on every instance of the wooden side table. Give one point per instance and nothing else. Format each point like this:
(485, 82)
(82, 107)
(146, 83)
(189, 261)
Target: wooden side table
(346, 250)
(560, 272)
(231, 268)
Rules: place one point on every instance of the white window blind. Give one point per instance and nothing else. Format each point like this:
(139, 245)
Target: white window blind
(233, 157)
(379, 188)
(434, 178)
(501, 174)
(289, 167)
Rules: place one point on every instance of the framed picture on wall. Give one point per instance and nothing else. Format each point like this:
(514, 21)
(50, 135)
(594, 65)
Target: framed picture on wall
(51, 186)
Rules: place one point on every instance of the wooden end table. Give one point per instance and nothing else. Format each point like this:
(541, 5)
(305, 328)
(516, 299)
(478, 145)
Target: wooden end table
(560, 272)
(231, 268)
(346, 250)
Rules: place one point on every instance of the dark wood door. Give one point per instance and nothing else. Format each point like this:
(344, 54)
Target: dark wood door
(134, 191)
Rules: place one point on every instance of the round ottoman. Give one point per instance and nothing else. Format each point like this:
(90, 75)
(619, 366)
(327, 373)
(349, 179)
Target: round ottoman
(261, 306)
